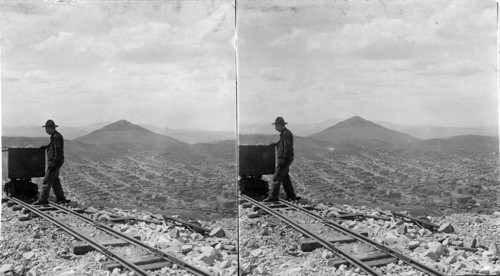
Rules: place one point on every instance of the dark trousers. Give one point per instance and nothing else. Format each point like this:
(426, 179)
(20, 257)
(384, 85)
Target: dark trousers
(51, 179)
(281, 176)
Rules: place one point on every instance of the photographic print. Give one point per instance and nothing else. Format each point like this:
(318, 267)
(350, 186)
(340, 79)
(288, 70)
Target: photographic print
(118, 126)
(384, 120)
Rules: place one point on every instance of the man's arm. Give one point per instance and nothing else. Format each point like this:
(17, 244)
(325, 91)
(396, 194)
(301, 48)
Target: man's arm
(287, 146)
(58, 147)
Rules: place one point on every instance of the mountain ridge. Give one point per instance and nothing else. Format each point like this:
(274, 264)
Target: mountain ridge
(123, 131)
(366, 133)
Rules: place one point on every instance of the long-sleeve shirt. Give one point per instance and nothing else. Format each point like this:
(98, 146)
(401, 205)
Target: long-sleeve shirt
(55, 149)
(285, 145)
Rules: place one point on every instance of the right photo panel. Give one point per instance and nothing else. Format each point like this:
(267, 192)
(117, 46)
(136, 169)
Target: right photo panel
(368, 137)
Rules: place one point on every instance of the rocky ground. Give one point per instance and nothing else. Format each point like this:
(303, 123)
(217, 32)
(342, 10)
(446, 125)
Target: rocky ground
(36, 247)
(467, 244)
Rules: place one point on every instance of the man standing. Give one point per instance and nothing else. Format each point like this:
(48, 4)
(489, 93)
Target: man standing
(55, 157)
(285, 159)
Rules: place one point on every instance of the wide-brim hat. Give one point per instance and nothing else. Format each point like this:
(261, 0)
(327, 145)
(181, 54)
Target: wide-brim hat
(50, 124)
(279, 121)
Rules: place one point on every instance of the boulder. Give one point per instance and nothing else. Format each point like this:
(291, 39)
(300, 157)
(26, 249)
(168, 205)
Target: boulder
(19, 270)
(256, 252)
(218, 232)
(196, 236)
(245, 269)
(495, 270)
(471, 242)
(265, 232)
(488, 255)
(209, 251)
(495, 249)
(457, 266)
(208, 255)
(225, 264)
(450, 260)
(402, 229)
(446, 228)
(186, 248)
(174, 233)
(446, 242)
(437, 248)
(457, 243)
(332, 214)
(206, 259)
(352, 224)
(424, 232)
(413, 244)
(29, 255)
(326, 254)
(431, 255)
(390, 238)
(320, 206)
(6, 268)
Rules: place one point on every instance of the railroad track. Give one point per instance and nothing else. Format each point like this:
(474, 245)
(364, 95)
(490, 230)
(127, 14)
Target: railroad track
(155, 259)
(383, 254)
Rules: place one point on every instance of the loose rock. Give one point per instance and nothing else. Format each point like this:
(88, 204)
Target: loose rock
(218, 232)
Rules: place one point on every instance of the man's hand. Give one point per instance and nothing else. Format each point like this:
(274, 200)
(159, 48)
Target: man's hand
(273, 144)
(44, 147)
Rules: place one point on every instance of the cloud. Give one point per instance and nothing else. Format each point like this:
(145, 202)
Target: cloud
(150, 42)
(286, 39)
(271, 73)
(460, 68)
(55, 43)
(382, 38)
(37, 76)
(466, 18)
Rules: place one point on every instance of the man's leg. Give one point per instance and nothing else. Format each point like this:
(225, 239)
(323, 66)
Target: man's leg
(275, 186)
(287, 186)
(47, 183)
(275, 190)
(58, 191)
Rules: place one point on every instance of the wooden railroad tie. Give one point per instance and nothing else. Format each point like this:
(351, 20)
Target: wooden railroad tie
(80, 248)
(151, 263)
(307, 244)
(378, 259)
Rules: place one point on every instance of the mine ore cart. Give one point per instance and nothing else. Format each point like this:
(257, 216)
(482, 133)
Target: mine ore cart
(23, 165)
(255, 161)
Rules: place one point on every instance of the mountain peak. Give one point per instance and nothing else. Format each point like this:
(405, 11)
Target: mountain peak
(355, 121)
(122, 125)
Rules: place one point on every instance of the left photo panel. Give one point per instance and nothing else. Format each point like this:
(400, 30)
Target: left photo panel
(118, 138)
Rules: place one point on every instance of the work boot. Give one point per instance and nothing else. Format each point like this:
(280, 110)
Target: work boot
(294, 198)
(41, 202)
(270, 199)
(62, 201)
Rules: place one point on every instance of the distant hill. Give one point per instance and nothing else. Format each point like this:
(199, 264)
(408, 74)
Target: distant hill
(38, 131)
(125, 132)
(193, 136)
(304, 146)
(430, 132)
(358, 131)
(464, 143)
(296, 128)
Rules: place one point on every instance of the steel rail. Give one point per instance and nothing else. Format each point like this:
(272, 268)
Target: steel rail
(340, 228)
(352, 260)
(74, 233)
(190, 268)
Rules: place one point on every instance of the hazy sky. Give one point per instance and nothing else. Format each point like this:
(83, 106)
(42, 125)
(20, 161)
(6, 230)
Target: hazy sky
(172, 63)
(166, 63)
(408, 62)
